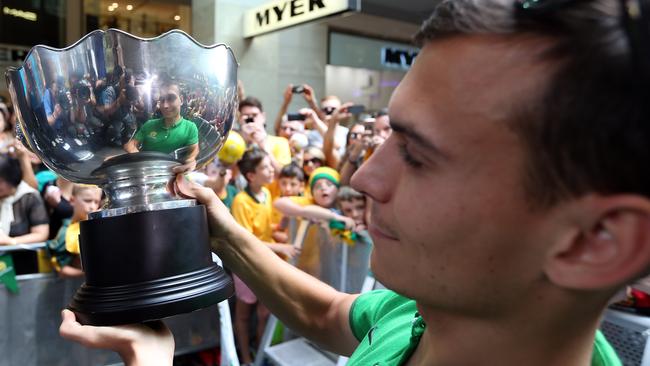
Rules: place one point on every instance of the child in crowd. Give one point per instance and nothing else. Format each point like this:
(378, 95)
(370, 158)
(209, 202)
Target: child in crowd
(292, 183)
(252, 208)
(354, 246)
(64, 248)
(217, 175)
(353, 205)
(323, 184)
(319, 206)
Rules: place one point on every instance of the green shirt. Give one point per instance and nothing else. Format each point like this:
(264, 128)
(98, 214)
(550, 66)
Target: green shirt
(231, 192)
(155, 136)
(389, 328)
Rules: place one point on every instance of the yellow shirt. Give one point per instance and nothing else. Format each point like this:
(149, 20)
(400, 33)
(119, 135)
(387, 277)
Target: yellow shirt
(255, 216)
(72, 238)
(279, 148)
(303, 200)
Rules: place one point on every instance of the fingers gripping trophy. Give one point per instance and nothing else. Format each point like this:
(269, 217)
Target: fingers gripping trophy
(126, 114)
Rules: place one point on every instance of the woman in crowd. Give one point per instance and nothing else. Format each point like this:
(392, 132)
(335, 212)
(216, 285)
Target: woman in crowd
(23, 218)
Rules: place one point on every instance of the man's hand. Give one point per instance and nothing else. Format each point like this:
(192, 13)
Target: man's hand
(357, 148)
(341, 113)
(6, 239)
(288, 94)
(349, 222)
(287, 250)
(253, 133)
(222, 224)
(138, 344)
(52, 196)
(189, 166)
(57, 111)
(309, 95)
(311, 117)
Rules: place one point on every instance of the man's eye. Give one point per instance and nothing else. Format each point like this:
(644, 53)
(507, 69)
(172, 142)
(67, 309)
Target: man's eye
(408, 158)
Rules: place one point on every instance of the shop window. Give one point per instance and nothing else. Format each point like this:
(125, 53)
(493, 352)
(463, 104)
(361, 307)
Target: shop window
(31, 22)
(141, 18)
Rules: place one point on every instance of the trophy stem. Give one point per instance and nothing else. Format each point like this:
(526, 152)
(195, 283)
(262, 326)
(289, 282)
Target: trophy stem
(137, 182)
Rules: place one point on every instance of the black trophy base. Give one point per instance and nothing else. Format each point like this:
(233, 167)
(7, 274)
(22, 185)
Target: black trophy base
(146, 266)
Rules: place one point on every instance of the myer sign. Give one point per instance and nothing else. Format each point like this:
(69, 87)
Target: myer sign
(286, 13)
(398, 58)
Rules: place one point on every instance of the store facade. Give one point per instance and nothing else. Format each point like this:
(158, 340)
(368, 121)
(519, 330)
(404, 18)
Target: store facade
(350, 53)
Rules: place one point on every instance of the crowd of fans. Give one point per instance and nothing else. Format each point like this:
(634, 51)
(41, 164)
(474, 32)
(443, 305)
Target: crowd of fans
(300, 171)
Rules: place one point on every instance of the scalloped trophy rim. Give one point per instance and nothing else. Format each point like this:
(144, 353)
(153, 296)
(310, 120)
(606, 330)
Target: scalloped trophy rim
(12, 69)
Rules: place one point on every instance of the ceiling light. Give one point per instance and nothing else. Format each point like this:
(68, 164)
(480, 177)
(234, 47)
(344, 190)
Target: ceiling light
(177, 17)
(129, 7)
(110, 8)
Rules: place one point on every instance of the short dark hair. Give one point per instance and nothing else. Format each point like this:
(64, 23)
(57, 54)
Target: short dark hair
(251, 102)
(588, 130)
(10, 170)
(347, 194)
(292, 171)
(251, 159)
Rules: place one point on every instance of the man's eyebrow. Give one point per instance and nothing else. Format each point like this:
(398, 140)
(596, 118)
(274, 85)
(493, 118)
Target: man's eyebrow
(416, 136)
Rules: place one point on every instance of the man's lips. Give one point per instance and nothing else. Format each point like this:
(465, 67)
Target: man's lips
(376, 229)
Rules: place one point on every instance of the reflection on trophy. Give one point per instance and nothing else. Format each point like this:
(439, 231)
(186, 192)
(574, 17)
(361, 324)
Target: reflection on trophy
(121, 112)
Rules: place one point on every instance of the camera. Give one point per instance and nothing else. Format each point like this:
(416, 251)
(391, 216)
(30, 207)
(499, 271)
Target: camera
(81, 91)
(329, 110)
(62, 99)
(356, 109)
(295, 117)
(131, 93)
(298, 89)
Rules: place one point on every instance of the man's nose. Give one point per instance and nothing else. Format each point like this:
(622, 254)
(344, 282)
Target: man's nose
(377, 176)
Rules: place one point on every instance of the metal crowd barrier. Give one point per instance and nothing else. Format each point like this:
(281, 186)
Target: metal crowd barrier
(30, 319)
(342, 266)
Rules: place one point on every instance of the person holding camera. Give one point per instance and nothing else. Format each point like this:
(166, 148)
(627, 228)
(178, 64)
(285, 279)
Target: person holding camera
(362, 143)
(56, 102)
(313, 117)
(307, 93)
(83, 122)
(253, 129)
(117, 102)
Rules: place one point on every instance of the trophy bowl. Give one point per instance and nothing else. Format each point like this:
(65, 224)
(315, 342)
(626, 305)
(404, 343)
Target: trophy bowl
(121, 112)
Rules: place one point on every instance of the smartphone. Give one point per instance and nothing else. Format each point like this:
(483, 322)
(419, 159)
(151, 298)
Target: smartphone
(298, 89)
(356, 109)
(369, 125)
(295, 117)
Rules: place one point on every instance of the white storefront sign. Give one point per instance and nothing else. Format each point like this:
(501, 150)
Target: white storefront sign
(281, 14)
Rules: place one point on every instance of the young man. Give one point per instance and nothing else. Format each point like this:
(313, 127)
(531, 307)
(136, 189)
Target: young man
(169, 133)
(511, 202)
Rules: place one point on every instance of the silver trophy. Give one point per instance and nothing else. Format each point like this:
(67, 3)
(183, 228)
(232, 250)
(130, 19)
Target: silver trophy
(120, 112)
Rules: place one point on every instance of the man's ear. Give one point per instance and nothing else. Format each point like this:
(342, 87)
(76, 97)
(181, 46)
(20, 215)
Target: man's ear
(608, 246)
